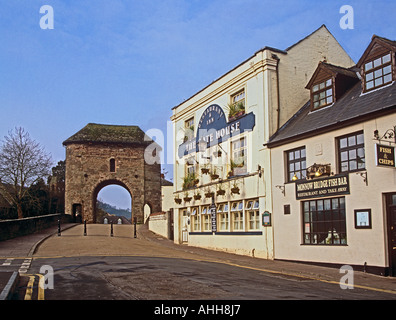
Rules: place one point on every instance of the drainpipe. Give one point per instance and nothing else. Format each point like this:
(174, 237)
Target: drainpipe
(274, 56)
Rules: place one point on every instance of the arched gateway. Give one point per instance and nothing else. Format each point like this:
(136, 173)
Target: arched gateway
(99, 155)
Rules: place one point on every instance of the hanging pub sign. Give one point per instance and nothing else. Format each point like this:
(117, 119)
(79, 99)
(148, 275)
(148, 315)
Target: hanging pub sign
(385, 156)
(213, 129)
(329, 186)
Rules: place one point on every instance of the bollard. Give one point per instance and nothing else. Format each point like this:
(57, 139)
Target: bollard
(85, 227)
(59, 228)
(134, 224)
(111, 229)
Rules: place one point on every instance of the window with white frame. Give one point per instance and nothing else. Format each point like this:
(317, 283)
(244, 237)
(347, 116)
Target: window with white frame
(196, 219)
(237, 216)
(223, 217)
(239, 156)
(189, 129)
(205, 213)
(253, 214)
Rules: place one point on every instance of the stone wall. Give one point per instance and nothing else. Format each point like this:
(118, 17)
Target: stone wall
(19, 227)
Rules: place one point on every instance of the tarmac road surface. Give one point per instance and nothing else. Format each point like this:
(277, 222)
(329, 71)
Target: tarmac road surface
(120, 267)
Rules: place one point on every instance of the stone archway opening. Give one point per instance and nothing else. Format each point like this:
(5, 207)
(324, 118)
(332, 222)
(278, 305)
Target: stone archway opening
(114, 191)
(147, 211)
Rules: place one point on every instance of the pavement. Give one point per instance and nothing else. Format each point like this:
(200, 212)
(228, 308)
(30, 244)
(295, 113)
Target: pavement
(20, 248)
(99, 242)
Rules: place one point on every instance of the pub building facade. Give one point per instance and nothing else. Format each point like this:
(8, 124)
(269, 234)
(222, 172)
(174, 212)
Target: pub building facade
(333, 167)
(222, 171)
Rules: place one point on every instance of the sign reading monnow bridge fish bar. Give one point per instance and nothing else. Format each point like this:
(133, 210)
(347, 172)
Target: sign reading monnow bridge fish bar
(213, 129)
(330, 186)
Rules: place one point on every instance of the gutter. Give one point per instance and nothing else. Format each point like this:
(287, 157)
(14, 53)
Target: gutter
(274, 56)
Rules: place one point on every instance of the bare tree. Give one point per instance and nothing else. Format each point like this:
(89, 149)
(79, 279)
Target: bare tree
(23, 162)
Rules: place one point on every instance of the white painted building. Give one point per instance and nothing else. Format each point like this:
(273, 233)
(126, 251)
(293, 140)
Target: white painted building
(333, 167)
(219, 145)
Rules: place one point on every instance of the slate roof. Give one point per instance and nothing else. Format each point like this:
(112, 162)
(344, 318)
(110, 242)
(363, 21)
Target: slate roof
(353, 107)
(117, 134)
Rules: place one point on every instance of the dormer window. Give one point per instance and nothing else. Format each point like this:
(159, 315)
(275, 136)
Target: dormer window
(378, 64)
(328, 83)
(322, 94)
(378, 72)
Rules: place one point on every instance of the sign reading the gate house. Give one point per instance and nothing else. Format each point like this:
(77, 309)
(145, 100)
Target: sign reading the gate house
(385, 156)
(330, 186)
(213, 129)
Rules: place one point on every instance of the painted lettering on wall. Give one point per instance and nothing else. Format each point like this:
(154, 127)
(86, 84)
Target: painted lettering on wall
(213, 129)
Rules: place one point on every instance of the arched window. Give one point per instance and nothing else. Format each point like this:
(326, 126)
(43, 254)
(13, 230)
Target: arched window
(112, 165)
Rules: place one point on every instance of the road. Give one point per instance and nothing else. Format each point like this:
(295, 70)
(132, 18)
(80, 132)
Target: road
(153, 278)
(100, 267)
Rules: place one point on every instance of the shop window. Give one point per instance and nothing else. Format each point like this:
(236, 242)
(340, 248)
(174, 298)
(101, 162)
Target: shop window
(296, 164)
(324, 222)
(237, 216)
(322, 94)
(112, 165)
(378, 72)
(253, 214)
(239, 156)
(351, 156)
(223, 217)
(196, 219)
(206, 223)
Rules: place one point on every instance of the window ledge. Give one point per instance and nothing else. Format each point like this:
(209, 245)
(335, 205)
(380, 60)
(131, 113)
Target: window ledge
(324, 245)
(227, 233)
(321, 108)
(374, 90)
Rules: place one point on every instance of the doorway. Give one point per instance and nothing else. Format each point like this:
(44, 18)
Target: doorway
(77, 212)
(391, 226)
(184, 223)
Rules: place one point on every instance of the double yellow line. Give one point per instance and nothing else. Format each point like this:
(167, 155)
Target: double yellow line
(29, 289)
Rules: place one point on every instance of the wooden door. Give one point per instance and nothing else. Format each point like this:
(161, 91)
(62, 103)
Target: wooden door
(391, 221)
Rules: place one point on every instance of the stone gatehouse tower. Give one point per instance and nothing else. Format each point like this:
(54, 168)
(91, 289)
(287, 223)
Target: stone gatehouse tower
(100, 155)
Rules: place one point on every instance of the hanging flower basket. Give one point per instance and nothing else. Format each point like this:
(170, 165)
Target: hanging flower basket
(187, 199)
(235, 190)
(178, 200)
(214, 176)
(197, 197)
(220, 192)
(209, 194)
(205, 170)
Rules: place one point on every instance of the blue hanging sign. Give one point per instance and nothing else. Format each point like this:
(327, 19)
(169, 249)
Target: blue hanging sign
(213, 129)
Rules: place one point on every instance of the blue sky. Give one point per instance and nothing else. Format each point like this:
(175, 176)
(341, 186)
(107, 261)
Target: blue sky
(129, 62)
